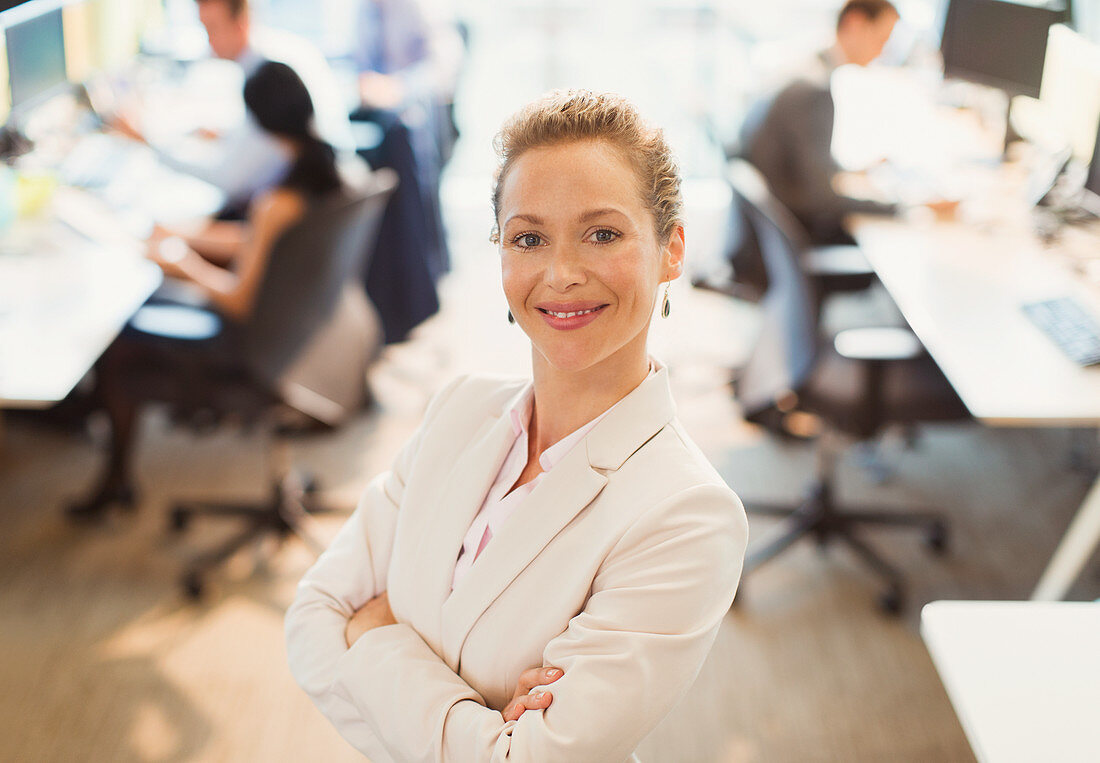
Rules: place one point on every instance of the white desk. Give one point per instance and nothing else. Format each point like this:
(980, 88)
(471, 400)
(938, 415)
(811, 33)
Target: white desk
(65, 295)
(960, 285)
(1024, 677)
(62, 301)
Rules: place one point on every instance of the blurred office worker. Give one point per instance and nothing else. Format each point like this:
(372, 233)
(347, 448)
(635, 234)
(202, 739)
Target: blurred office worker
(227, 262)
(246, 159)
(788, 135)
(408, 61)
(403, 53)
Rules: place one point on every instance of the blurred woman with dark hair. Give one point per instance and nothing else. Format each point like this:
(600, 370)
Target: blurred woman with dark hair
(226, 261)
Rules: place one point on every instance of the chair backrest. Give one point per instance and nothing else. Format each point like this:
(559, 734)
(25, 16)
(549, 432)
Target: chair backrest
(306, 273)
(743, 253)
(786, 348)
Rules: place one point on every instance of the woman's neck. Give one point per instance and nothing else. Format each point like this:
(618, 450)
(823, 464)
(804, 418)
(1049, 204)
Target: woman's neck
(292, 146)
(567, 400)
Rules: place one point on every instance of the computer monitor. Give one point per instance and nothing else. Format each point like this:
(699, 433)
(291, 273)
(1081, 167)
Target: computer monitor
(36, 57)
(1070, 96)
(1000, 43)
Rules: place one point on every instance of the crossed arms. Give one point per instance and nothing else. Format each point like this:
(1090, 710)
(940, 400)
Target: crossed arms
(627, 658)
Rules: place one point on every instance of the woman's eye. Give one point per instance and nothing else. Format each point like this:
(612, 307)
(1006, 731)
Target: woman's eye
(603, 236)
(528, 240)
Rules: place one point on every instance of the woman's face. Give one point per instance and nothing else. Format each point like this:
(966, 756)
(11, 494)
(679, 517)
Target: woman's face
(581, 261)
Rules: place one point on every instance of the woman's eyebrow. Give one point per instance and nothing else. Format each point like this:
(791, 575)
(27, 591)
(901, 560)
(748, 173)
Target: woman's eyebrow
(534, 220)
(583, 218)
(602, 212)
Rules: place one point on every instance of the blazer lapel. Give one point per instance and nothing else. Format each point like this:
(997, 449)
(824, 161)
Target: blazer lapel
(559, 496)
(459, 496)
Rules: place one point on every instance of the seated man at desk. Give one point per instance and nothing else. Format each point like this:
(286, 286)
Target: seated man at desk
(788, 135)
(247, 160)
(146, 363)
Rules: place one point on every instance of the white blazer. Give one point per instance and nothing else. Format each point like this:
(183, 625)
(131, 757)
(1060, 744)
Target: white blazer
(618, 569)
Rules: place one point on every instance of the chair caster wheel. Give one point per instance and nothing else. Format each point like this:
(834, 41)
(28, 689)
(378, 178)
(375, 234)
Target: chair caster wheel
(937, 538)
(193, 587)
(890, 601)
(180, 519)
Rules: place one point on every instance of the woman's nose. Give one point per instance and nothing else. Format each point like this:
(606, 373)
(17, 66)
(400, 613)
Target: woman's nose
(565, 268)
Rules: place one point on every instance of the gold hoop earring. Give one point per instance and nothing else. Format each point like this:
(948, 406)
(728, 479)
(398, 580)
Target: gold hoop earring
(511, 318)
(666, 308)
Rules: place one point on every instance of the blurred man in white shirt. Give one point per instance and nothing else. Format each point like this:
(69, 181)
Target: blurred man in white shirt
(244, 160)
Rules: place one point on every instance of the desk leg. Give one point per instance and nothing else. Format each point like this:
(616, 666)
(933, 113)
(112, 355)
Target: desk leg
(1074, 551)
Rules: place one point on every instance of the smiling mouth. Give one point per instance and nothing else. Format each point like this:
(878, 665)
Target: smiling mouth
(569, 320)
(572, 314)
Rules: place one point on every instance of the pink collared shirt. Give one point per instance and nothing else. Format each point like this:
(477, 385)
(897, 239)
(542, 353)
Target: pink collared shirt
(499, 503)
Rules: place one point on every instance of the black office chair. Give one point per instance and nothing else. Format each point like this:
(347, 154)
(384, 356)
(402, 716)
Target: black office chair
(831, 269)
(309, 340)
(861, 381)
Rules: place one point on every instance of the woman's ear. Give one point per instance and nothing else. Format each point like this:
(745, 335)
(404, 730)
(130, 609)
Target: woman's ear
(673, 254)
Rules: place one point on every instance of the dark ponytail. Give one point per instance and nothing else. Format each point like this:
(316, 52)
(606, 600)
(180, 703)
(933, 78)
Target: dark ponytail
(314, 171)
(280, 103)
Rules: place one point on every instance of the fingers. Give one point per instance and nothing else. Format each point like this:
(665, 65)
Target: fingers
(529, 679)
(525, 699)
(524, 702)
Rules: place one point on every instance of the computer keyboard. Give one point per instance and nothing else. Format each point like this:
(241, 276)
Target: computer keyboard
(92, 219)
(1071, 328)
(95, 160)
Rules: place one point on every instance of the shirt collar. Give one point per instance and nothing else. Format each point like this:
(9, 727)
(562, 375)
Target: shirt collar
(832, 58)
(249, 60)
(520, 415)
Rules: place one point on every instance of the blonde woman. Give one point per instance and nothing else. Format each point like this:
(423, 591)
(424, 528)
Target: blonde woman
(543, 571)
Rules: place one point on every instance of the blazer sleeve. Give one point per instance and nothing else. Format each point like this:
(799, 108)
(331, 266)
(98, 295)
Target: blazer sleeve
(351, 572)
(628, 657)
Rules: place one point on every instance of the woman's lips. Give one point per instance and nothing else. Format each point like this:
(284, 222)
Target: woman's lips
(569, 317)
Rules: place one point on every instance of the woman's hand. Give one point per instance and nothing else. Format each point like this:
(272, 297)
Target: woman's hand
(945, 209)
(160, 233)
(523, 700)
(170, 253)
(125, 126)
(374, 614)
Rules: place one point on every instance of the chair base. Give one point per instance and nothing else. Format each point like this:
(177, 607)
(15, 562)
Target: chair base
(285, 512)
(95, 507)
(819, 517)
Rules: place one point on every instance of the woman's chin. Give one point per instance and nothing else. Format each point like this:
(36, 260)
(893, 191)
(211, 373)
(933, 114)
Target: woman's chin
(568, 360)
(575, 356)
